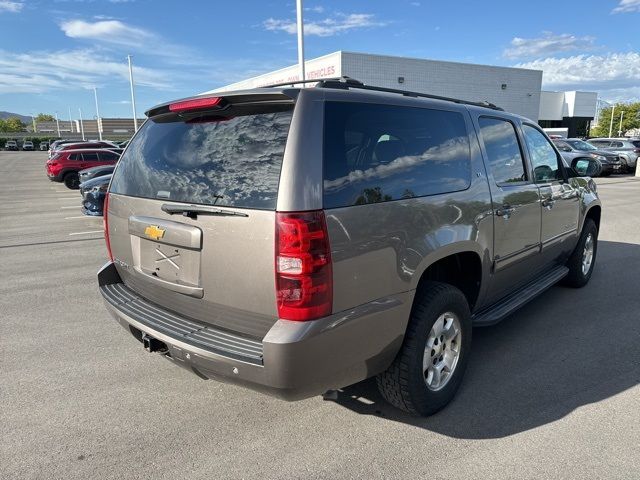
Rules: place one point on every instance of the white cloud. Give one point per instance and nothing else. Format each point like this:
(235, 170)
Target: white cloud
(339, 23)
(108, 31)
(627, 6)
(616, 74)
(38, 72)
(548, 44)
(11, 7)
(316, 9)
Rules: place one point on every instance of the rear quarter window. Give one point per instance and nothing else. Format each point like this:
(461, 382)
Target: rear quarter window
(377, 153)
(226, 161)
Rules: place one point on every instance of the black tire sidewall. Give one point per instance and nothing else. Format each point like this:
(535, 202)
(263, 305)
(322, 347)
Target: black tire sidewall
(69, 180)
(590, 227)
(425, 401)
(576, 278)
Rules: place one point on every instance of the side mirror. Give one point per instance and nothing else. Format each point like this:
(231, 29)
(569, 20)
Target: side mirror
(586, 167)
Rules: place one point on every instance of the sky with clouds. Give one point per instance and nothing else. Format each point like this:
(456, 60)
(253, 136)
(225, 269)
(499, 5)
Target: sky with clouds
(52, 53)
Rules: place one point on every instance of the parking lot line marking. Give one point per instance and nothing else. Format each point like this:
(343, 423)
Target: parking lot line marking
(61, 208)
(81, 216)
(86, 233)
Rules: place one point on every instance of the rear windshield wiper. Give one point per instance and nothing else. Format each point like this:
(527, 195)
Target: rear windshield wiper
(192, 211)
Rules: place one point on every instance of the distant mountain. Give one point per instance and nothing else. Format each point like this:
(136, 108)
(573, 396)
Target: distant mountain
(23, 118)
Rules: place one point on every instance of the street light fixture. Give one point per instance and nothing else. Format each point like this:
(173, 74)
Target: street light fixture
(620, 127)
(133, 97)
(613, 109)
(98, 122)
(81, 124)
(300, 24)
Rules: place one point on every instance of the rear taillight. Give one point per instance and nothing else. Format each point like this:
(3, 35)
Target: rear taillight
(304, 277)
(105, 223)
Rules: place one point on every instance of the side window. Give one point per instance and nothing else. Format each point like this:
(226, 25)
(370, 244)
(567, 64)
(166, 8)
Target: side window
(90, 157)
(74, 156)
(503, 150)
(562, 146)
(544, 159)
(378, 153)
(600, 143)
(108, 157)
(616, 144)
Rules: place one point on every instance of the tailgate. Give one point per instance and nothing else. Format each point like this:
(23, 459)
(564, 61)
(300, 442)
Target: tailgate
(192, 213)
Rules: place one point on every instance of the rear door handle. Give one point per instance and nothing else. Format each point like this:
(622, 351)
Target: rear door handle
(505, 211)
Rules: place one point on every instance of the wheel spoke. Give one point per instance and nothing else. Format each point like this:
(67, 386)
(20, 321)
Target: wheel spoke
(450, 331)
(449, 360)
(434, 377)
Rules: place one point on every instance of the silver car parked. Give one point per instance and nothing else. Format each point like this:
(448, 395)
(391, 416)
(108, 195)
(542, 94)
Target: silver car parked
(299, 240)
(627, 148)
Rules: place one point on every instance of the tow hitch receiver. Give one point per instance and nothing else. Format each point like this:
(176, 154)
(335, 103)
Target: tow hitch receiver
(151, 344)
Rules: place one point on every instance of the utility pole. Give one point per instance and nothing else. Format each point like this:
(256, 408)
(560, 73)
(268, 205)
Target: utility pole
(613, 109)
(133, 97)
(33, 122)
(81, 124)
(620, 128)
(300, 23)
(70, 120)
(98, 122)
(58, 125)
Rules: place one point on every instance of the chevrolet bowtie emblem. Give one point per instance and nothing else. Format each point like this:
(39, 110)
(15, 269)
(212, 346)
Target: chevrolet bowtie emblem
(154, 232)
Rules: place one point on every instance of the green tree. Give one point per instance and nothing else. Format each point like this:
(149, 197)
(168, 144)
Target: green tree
(3, 125)
(45, 117)
(630, 119)
(14, 124)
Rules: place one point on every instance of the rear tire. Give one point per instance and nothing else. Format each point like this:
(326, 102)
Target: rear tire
(412, 382)
(583, 258)
(72, 180)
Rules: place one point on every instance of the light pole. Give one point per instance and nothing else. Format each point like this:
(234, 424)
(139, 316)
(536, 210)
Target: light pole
(620, 128)
(133, 97)
(81, 124)
(58, 125)
(33, 122)
(300, 23)
(70, 120)
(98, 122)
(613, 109)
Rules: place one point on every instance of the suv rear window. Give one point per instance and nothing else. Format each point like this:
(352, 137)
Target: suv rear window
(232, 162)
(377, 153)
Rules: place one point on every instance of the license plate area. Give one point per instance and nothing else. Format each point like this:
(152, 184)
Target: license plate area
(167, 254)
(170, 263)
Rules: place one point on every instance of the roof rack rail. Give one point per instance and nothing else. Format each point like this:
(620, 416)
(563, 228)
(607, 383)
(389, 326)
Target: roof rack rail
(296, 82)
(348, 82)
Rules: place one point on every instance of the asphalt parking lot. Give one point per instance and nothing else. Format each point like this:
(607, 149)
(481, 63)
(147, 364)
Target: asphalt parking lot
(552, 392)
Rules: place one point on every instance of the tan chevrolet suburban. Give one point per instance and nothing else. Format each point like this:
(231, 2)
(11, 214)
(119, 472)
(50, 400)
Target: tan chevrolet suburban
(298, 240)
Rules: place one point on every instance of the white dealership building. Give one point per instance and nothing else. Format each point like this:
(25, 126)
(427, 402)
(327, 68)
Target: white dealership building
(517, 90)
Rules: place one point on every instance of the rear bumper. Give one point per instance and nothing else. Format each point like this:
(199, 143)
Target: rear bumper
(295, 360)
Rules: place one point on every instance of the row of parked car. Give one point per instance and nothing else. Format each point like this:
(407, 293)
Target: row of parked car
(86, 166)
(616, 155)
(27, 145)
